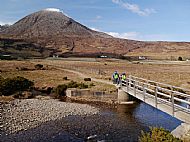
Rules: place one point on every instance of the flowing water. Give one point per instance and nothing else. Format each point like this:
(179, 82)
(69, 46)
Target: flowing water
(123, 123)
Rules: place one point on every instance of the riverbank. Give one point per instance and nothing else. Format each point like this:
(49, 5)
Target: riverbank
(45, 119)
(99, 72)
(21, 115)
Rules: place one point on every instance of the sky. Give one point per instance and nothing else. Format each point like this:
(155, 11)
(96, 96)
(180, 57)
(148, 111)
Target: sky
(147, 20)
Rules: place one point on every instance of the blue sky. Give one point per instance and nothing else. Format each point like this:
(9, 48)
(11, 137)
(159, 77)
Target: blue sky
(148, 20)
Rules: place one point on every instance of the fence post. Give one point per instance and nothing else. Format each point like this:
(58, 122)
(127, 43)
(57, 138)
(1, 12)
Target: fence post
(144, 92)
(127, 83)
(156, 96)
(134, 87)
(130, 81)
(172, 100)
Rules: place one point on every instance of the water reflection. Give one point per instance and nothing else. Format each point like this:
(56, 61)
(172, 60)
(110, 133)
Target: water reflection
(123, 123)
(153, 117)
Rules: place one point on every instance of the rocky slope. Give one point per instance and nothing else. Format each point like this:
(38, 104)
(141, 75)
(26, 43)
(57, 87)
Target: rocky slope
(57, 33)
(47, 23)
(3, 27)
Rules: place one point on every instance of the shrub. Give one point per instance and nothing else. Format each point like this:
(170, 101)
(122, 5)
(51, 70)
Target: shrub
(72, 84)
(24, 95)
(60, 90)
(24, 69)
(82, 86)
(10, 86)
(87, 79)
(65, 78)
(109, 78)
(1, 78)
(91, 85)
(44, 90)
(38, 66)
(180, 59)
(158, 135)
(49, 89)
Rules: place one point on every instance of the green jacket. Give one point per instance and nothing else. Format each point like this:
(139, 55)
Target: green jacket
(123, 77)
(116, 76)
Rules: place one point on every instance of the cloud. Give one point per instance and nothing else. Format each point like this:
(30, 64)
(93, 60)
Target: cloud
(137, 35)
(127, 35)
(98, 17)
(140, 36)
(5, 23)
(95, 29)
(134, 8)
(57, 10)
(54, 10)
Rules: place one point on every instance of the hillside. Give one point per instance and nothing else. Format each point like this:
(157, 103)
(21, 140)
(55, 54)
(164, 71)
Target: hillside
(59, 34)
(47, 23)
(3, 27)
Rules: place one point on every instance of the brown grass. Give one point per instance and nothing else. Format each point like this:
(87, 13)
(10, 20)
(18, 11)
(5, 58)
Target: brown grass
(174, 74)
(6, 98)
(51, 77)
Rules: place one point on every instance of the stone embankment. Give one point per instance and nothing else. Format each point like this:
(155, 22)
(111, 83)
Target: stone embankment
(20, 115)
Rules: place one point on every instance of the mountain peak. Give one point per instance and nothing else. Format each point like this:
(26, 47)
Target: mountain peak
(50, 22)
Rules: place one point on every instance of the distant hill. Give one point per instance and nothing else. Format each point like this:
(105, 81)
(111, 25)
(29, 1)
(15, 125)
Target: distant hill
(56, 33)
(3, 27)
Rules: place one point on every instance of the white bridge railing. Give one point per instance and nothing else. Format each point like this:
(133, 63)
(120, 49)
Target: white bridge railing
(176, 97)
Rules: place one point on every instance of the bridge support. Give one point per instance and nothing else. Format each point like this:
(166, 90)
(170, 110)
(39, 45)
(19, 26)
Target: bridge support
(123, 97)
(182, 131)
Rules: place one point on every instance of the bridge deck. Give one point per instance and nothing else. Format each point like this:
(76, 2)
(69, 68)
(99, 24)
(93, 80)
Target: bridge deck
(166, 105)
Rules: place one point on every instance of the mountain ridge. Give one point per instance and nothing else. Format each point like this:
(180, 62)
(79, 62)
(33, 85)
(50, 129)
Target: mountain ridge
(56, 23)
(60, 33)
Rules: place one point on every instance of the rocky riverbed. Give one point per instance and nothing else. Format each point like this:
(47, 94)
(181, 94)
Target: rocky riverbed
(21, 115)
(39, 120)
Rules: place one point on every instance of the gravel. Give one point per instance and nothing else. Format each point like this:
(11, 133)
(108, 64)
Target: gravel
(21, 115)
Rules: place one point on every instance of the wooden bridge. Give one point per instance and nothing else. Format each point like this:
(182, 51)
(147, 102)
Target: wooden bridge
(172, 100)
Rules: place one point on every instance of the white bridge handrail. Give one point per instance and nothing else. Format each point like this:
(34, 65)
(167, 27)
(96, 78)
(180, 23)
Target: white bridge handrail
(158, 83)
(176, 97)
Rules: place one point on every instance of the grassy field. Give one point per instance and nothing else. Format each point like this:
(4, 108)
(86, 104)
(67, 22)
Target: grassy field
(50, 76)
(174, 73)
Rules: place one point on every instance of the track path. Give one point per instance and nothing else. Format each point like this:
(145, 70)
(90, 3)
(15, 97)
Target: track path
(80, 74)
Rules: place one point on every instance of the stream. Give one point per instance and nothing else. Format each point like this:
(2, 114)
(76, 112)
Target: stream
(123, 123)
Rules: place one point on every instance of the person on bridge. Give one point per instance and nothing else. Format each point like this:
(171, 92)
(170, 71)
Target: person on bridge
(115, 77)
(123, 79)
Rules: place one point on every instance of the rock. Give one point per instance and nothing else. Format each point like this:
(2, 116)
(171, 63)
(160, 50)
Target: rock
(30, 113)
(91, 137)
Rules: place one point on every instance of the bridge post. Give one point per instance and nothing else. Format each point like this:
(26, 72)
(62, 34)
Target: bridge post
(123, 97)
(172, 100)
(144, 92)
(130, 81)
(134, 84)
(156, 95)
